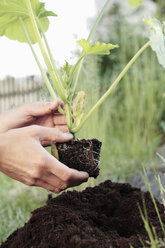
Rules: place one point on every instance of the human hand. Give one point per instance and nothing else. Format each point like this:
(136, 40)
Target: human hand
(39, 113)
(23, 158)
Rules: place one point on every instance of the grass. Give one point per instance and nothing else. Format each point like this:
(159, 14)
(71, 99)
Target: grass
(17, 202)
(154, 241)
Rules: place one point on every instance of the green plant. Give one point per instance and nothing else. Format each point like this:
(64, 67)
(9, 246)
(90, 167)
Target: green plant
(154, 241)
(27, 21)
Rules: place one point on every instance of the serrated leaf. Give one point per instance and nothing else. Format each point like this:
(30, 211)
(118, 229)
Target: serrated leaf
(157, 38)
(12, 10)
(47, 13)
(134, 3)
(97, 48)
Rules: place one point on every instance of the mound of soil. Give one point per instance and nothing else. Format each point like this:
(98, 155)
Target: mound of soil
(101, 217)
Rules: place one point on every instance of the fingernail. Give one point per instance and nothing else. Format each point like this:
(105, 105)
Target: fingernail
(85, 174)
(68, 135)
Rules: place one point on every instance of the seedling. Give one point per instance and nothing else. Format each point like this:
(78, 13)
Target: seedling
(27, 21)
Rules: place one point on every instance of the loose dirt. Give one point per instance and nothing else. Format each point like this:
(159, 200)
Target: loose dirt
(101, 217)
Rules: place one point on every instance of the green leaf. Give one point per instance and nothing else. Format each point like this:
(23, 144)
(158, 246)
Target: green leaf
(157, 38)
(97, 48)
(134, 3)
(10, 13)
(47, 13)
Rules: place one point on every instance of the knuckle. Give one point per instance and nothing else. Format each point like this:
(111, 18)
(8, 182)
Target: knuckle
(63, 186)
(35, 130)
(31, 182)
(67, 177)
(57, 132)
(38, 170)
(56, 191)
(41, 162)
(37, 174)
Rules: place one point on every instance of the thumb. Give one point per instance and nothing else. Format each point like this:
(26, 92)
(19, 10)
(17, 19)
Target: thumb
(51, 134)
(43, 108)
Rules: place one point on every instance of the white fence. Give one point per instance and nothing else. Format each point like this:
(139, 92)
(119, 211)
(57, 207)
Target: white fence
(14, 92)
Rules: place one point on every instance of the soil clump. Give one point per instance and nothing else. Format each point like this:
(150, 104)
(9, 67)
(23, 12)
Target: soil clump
(82, 155)
(101, 217)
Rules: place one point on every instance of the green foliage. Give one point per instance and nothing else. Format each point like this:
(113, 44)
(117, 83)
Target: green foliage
(27, 21)
(129, 123)
(10, 13)
(134, 3)
(157, 38)
(17, 202)
(97, 48)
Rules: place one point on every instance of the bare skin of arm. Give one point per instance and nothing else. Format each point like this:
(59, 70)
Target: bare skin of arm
(22, 156)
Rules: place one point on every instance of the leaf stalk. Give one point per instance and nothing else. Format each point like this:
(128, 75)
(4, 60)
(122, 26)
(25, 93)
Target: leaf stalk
(54, 75)
(47, 82)
(78, 70)
(112, 87)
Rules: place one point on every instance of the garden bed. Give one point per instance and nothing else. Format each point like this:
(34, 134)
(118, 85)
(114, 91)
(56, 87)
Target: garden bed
(101, 217)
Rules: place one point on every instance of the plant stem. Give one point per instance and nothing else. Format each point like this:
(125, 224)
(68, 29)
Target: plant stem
(97, 21)
(49, 51)
(47, 82)
(112, 87)
(68, 116)
(54, 76)
(88, 39)
(74, 68)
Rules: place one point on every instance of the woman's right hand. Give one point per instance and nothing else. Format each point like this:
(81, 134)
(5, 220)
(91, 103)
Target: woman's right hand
(23, 158)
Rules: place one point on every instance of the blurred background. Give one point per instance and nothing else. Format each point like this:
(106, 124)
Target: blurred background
(131, 122)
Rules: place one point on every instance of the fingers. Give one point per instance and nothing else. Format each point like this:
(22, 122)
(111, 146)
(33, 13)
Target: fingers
(53, 183)
(57, 184)
(63, 128)
(59, 119)
(70, 176)
(50, 134)
(60, 122)
(42, 108)
(31, 164)
(56, 176)
(47, 186)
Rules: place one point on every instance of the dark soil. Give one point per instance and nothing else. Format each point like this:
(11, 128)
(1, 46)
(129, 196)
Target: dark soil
(101, 217)
(82, 155)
